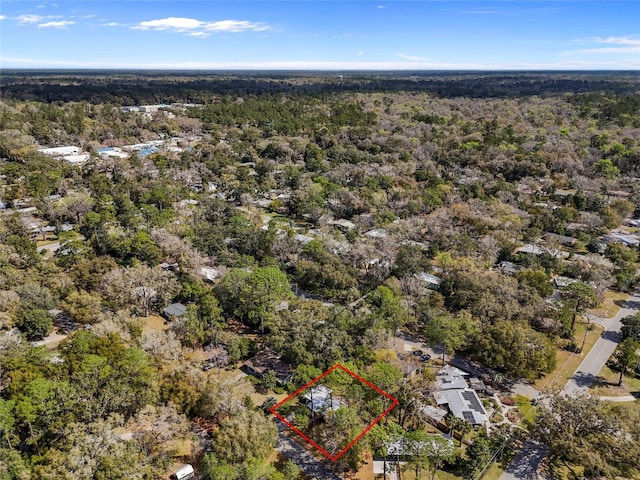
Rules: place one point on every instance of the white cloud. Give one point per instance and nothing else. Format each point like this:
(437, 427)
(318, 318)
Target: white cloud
(60, 24)
(381, 6)
(27, 19)
(360, 53)
(199, 34)
(607, 50)
(110, 24)
(412, 57)
(2, 17)
(171, 23)
(192, 25)
(618, 40)
(235, 26)
(619, 46)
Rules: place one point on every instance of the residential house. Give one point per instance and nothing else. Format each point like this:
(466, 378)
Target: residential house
(268, 360)
(623, 238)
(561, 239)
(462, 401)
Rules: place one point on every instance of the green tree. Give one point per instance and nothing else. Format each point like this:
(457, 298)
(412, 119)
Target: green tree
(82, 306)
(536, 279)
(606, 168)
(580, 296)
(478, 455)
(8, 423)
(626, 356)
(34, 323)
(451, 332)
(245, 435)
(587, 432)
(391, 311)
(255, 295)
(631, 327)
(463, 427)
(214, 469)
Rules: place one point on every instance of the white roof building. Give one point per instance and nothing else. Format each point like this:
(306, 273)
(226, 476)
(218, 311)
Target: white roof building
(464, 404)
(320, 399)
(462, 401)
(70, 154)
(61, 151)
(112, 152)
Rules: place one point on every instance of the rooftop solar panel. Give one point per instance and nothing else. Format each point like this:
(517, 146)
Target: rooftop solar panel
(473, 401)
(468, 416)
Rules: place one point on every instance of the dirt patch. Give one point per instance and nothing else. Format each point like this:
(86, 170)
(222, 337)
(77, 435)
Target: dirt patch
(51, 341)
(153, 322)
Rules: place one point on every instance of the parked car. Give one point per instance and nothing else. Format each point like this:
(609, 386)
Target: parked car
(417, 353)
(424, 357)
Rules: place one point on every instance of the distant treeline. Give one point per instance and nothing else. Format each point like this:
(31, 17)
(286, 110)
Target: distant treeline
(144, 87)
(604, 96)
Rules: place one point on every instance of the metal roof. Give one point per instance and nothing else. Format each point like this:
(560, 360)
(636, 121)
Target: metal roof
(175, 310)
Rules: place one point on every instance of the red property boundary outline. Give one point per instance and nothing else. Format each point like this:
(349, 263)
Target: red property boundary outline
(394, 403)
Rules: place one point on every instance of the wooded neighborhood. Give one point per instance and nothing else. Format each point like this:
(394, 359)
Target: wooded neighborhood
(180, 252)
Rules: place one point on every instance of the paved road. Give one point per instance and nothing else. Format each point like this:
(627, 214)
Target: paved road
(295, 452)
(525, 464)
(588, 370)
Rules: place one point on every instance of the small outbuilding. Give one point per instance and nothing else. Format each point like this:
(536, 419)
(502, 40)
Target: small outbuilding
(175, 310)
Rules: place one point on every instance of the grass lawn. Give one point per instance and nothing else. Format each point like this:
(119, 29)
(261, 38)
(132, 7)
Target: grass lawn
(609, 308)
(607, 384)
(409, 474)
(494, 472)
(525, 408)
(567, 362)
(49, 240)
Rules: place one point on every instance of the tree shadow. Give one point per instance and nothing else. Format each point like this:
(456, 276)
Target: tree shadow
(584, 380)
(613, 336)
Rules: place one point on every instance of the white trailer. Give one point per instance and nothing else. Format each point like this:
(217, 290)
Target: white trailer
(183, 473)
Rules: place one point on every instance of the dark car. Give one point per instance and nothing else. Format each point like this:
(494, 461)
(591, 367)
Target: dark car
(424, 357)
(417, 353)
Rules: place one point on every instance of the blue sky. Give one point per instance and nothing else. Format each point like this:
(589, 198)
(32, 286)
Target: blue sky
(325, 35)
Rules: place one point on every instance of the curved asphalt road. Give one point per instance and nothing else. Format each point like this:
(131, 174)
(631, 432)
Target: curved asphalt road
(525, 464)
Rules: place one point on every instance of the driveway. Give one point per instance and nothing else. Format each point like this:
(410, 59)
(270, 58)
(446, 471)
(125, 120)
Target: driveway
(294, 451)
(525, 464)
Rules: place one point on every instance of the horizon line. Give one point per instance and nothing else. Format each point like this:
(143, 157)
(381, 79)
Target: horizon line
(324, 70)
